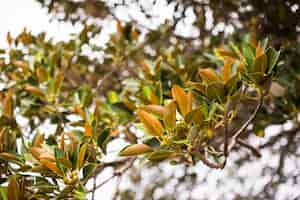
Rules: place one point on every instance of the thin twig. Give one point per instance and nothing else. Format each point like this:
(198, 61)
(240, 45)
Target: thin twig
(226, 131)
(115, 174)
(211, 164)
(94, 186)
(245, 125)
(254, 150)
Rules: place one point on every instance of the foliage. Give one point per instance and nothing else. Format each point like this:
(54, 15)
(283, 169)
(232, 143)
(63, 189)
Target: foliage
(192, 104)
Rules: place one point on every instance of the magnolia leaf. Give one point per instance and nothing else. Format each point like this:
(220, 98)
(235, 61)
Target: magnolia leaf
(182, 99)
(37, 151)
(135, 149)
(52, 166)
(38, 140)
(258, 51)
(59, 78)
(226, 69)
(88, 131)
(34, 91)
(189, 105)
(260, 64)
(8, 105)
(220, 52)
(208, 75)
(81, 155)
(41, 74)
(103, 138)
(152, 125)
(273, 56)
(88, 170)
(161, 155)
(195, 116)
(155, 109)
(170, 115)
(249, 54)
(216, 91)
(47, 156)
(13, 188)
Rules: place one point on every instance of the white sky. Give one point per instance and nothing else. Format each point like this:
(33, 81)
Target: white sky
(17, 14)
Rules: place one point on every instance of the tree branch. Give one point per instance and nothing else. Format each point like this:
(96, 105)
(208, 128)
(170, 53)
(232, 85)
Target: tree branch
(245, 125)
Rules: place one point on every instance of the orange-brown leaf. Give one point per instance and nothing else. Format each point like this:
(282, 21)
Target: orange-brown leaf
(135, 149)
(13, 188)
(208, 75)
(8, 106)
(36, 152)
(181, 98)
(155, 109)
(258, 51)
(151, 124)
(189, 102)
(88, 130)
(34, 90)
(52, 166)
(170, 115)
(47, 156)
(39, 140)
(226, 69)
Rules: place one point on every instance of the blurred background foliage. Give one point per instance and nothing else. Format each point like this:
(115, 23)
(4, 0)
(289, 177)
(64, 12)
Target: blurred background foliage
(90, 94)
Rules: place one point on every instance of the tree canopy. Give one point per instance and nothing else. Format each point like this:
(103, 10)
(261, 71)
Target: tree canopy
(176, 83)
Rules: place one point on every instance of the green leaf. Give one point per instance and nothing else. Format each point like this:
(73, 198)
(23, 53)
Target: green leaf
(249, 54)
(102, 138)
(273, 56)
(3, 193)
(81, 156)
(88, 170)
(160, 155)
(153, 142)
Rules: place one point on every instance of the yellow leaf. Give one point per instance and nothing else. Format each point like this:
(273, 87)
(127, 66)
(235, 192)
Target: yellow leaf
(39, 140)
(8, 106)
(135, 149)
(47, 156)
(34, 90)
(52, 166)
(59, 78)
(13, 188)
(258, 51)
(221, 52)
(119, 27)
(20, 64)
(208, 75)
(80, 160)
(41, 74)
(88, 130)
(152, 125)
(78, 110)
(8, 156)
(155, 109)
(170, 115)
(189, 102)
(62, 141)
(226, 69)
(36, 152)
(183, 100)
